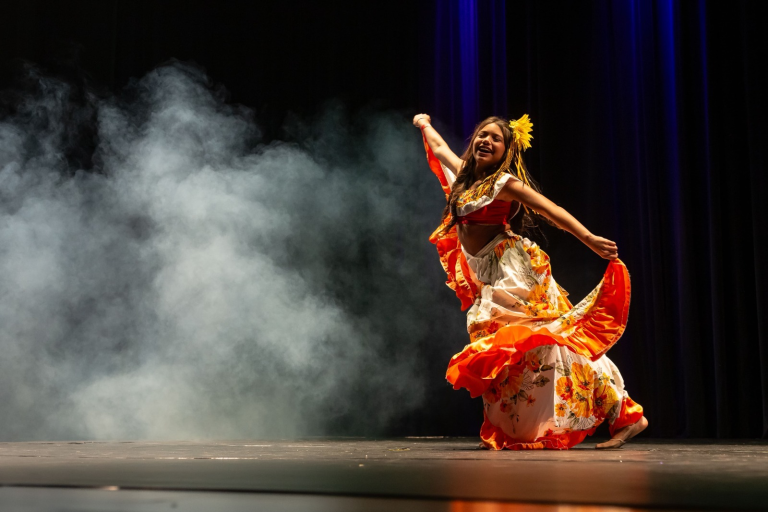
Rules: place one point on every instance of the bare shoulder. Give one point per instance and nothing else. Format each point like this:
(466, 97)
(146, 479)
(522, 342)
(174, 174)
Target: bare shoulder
(515, 190)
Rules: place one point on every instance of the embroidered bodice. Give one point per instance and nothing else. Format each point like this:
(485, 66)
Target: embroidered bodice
(480, 206)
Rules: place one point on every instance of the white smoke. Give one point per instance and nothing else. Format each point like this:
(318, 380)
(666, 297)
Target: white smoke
(197, 284)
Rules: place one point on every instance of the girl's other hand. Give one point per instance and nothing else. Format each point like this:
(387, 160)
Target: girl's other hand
(603, 247)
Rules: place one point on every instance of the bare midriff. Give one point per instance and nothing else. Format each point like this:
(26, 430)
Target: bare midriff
(474, 237)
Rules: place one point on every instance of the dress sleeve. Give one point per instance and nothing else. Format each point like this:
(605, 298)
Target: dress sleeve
(447, 242)
(437, 168)
(449, 176)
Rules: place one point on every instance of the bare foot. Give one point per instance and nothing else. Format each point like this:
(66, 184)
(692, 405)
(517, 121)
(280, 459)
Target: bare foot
(621, 437)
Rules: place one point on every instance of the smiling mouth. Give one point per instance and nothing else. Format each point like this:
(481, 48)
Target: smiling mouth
(484, 150)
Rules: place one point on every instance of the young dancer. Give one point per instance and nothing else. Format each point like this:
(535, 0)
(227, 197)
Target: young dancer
(537, 361)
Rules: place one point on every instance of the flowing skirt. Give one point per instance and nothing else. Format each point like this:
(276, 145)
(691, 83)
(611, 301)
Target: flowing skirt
(538, 361)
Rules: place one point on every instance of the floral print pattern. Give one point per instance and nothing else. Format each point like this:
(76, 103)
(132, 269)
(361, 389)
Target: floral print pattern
(530, 296)
(553, 391)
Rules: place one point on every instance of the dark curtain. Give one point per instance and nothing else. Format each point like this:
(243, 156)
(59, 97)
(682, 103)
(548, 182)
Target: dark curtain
(650, 127)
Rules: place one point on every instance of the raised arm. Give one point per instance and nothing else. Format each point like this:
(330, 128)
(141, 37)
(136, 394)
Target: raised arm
(515, 190)
(438, 146)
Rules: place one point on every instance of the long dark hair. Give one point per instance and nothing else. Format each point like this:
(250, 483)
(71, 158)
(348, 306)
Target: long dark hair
(524, 222)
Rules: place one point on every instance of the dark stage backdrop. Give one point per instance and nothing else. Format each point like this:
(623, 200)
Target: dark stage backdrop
(649, 126)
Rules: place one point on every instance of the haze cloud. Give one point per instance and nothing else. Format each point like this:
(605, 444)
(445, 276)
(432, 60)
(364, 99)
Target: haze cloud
(197, 284)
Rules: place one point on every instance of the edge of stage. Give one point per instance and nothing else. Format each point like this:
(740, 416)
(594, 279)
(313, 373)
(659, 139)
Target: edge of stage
(379, 474)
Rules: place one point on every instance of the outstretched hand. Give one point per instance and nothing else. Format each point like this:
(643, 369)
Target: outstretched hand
(420, 119)
(603, 247)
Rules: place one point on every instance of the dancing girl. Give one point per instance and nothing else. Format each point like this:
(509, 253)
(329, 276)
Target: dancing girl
(537, 361)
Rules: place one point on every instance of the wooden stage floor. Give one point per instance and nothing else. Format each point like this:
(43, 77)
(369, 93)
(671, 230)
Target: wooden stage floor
(425, 474)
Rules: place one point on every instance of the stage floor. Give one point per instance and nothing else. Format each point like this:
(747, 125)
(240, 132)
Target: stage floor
(395, 474)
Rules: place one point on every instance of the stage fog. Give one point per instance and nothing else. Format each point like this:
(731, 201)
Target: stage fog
(195, 282)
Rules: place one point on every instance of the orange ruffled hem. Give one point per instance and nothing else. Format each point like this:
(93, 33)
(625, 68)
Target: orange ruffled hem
(495, 439)
(630, 413)
(475, 367)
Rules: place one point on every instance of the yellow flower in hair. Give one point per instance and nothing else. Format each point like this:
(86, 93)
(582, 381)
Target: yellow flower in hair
(521, 135)
(521, 131)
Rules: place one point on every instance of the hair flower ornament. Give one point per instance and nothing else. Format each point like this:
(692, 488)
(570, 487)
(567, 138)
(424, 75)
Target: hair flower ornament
(521, 131)
(521, 140)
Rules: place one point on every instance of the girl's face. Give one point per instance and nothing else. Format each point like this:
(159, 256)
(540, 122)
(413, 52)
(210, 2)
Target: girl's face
(488, 146)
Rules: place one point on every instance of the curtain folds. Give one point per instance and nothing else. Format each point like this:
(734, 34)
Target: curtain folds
(651, 127)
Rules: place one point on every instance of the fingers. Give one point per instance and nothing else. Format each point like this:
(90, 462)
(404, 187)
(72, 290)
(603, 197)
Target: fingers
(419, 117)
(610, 253)
(606, 249)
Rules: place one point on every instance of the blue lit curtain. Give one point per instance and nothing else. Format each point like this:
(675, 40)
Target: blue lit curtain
(677, 138)
(650, 126)
(470, 62)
